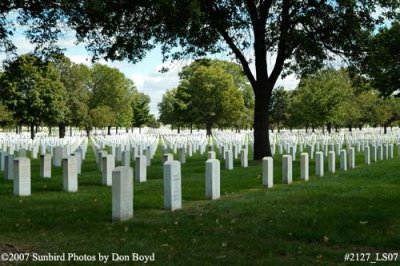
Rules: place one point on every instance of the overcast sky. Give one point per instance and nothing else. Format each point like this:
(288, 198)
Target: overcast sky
(145, 74)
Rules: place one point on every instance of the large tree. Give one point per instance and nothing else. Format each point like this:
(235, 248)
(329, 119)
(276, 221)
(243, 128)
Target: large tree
(33, 92)
(111, 88)
(76, 79)
(141, 110)
(214, 97)
(268, 36)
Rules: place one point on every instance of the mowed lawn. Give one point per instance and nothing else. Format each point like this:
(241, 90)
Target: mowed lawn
(302, 223)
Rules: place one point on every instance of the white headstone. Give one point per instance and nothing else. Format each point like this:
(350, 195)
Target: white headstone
(367, 159)
(244, 158)
(108, 167)
(343, 160)
(78, 156)
(211, 155)
(2, 159)
(172, 185)
(287, 175)
(122, 193)
(390, 148)
(385, 151)
(380, 152)
(9, 167)
(331, 162)
(304, 166)
(118, 153)
(57, 156)
(268, 172)
(22, 176)
(141, 169)
(228, 160)
(70, 175)
(182, 155)
(212, 179)
(45, 166)
(352, 158)
(319, 163)
(126, 158)
(311, 151)
(100, 155)
(374, 153)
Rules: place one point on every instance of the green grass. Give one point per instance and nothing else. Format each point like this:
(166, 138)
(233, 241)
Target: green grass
(303, 223)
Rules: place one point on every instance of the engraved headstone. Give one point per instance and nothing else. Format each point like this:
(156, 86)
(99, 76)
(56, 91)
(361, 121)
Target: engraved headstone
(268, 172)
(45, 166)
(22, 176)
(212, 179)
(172, 185)
(122, 193)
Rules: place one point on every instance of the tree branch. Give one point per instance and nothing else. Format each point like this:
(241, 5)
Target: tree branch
(252, 11)
(239, 56)
(282, 46)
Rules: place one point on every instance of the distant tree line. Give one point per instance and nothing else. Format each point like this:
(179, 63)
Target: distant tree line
(331, 99)
(58, 92)
(216, 94)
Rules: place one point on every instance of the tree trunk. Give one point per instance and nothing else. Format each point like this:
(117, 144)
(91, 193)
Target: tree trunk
(350, 128)
(32, 131)
(140, 130)
(261, 130)
(36, 129)
(116, 130)
(313, 129)
(16, 129)
(87, 129)
(208, 129)
(385, 129)
(179, 129)
(49, 131)
(329, 128)
(61, 130)
(108, 130)
(191, 128)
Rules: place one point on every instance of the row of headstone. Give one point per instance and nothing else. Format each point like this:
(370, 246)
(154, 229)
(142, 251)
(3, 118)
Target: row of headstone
(122, 186)
(377, 152)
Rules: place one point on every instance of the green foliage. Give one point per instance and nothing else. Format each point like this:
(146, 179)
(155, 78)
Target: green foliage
(319, 96)
(210, 93)
(102, 116)
(6, 117)
(111, 88)
(77, 82)
(382, 60)
(33, 92)
(279, 107)
(141, 111)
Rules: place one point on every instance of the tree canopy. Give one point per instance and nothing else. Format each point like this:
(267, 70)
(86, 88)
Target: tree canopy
(54, 92)
(381, 63)
(210, 93)
(33, 92)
